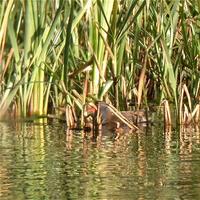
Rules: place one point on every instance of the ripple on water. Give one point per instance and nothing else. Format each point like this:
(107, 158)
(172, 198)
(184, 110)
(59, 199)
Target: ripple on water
(46, 162)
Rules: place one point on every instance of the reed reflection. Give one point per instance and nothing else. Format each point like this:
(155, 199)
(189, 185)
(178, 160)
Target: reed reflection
(68, 164)
(5, 184)
(168, 140)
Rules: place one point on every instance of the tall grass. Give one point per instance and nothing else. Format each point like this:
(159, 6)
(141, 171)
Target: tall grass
(74, 51)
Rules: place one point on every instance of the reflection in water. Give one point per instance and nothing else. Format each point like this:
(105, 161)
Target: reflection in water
(46, 161)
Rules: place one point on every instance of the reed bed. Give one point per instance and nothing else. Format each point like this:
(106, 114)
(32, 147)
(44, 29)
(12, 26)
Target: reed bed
(71, 52)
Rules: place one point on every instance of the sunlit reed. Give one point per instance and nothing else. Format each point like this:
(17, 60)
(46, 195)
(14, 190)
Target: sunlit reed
(61, 53)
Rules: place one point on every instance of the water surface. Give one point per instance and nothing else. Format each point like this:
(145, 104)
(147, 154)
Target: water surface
(44, 161)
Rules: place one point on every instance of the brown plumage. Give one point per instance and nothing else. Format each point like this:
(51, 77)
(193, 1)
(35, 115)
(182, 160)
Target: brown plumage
(113, 119)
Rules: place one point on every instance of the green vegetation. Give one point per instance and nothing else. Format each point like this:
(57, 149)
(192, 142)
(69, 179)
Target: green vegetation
(69, 52)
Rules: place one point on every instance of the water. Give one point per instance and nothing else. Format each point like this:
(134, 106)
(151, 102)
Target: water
(42, 161)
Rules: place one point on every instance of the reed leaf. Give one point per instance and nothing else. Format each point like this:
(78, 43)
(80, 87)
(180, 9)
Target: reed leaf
(169, 73)
(13, 39)
(68, 41)
(104, 89)
(125, 28)
(141, 82)
(5, 19)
